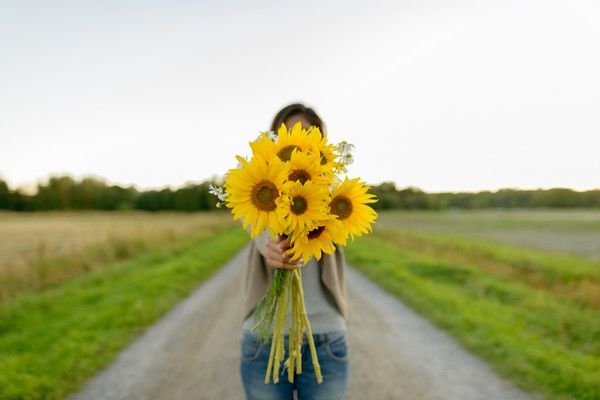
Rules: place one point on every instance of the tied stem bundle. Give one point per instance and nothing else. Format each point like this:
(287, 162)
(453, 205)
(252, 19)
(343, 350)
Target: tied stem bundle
(291, 186)
(289, 297)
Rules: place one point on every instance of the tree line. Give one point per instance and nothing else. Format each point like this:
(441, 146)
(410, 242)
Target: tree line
(66, 193)
(413, 198)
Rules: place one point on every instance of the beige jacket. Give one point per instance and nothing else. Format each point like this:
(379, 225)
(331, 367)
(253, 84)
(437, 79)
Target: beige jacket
(257, 277)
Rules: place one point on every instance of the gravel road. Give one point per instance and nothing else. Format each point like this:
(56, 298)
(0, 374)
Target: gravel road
(192, 353)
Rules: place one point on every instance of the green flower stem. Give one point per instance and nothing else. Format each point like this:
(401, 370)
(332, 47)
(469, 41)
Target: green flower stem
(311, 341)
(285, 292)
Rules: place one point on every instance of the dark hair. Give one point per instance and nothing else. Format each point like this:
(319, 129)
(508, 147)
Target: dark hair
(295, 109)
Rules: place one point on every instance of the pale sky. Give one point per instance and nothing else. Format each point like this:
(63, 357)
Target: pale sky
(443, 95)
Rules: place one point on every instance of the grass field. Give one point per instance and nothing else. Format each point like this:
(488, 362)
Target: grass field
(533, 314)
(574, 231)
(53, 340)
(43, 249)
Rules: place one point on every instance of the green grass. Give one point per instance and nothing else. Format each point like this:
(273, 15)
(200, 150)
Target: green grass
(533, 315)
(575, 231)
(53, 340)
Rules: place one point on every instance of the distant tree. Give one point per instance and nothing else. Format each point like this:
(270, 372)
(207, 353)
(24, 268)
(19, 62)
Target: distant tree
(5, 196)
(21, 202)
(387, 195)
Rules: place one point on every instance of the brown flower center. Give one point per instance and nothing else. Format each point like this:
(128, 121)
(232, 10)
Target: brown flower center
(299, 175)
(263, 196)
(323, 158)
(299, 205)
(315, 233)
(341, 206)
(285, 154)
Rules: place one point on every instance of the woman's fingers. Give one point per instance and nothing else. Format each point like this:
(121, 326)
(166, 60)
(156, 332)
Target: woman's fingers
(276, 261)
(277, 255)
(277, 258)
(280, 265)
(283, 242)
(278, 252)
(273, 263)
(274, 250)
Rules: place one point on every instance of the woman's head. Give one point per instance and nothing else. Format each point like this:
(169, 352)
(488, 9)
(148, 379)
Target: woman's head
(297, 112)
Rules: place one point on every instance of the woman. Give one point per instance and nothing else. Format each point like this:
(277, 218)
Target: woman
(325, 297)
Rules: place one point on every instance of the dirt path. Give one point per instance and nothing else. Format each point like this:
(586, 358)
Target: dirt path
(192, 353)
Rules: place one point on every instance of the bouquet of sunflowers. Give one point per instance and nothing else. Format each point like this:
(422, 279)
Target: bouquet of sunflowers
(292, 187)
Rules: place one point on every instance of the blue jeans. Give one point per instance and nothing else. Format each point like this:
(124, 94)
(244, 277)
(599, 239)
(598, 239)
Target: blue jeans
(332, 352)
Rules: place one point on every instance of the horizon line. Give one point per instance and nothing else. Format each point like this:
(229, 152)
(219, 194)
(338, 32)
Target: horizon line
(30, 188)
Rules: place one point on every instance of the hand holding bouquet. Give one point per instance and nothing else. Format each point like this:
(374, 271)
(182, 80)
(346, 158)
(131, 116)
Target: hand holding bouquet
(292, 187)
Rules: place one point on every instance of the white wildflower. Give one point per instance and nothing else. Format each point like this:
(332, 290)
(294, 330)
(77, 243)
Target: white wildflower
(270, 134)
(345, 148)
(219, 192)
(346, 159)
(335, 183)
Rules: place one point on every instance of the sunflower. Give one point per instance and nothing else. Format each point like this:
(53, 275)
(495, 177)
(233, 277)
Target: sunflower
(349, 203)
(263, 147)
(319, 240)
(252, 191)
(325, 150)
(290, 140)
(305, 166)
(302, 206)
